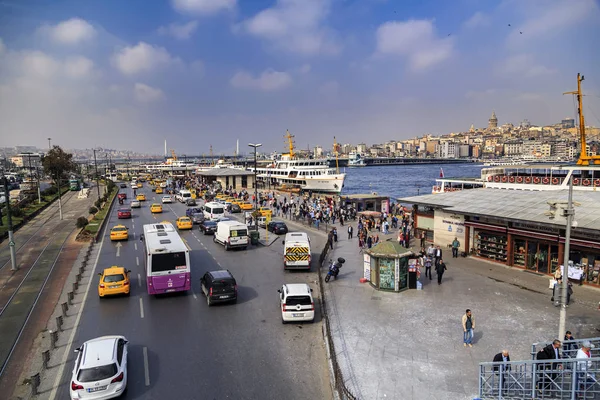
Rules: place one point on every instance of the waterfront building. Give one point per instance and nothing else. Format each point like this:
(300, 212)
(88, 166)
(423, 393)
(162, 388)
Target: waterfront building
(228, 177)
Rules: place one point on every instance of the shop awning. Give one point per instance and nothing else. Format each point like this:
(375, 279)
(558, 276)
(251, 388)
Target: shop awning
(494, 228)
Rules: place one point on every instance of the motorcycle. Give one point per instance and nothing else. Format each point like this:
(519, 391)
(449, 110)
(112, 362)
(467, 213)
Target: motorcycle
(334, 268)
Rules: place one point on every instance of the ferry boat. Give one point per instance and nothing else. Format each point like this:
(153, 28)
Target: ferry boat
(171, 165)
(305, 174)
(536, 177)
(355, 160)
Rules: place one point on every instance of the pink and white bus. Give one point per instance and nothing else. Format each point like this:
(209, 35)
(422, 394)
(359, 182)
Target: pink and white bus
(167, 259)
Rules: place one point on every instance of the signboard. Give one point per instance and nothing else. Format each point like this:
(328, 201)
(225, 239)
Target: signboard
(425, 223)
(448, 226)
(367, 267)
(535, 227)
(385, 206)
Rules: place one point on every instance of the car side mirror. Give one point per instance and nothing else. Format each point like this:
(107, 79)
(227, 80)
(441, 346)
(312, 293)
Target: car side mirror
(283, 242)
(311, 290)
(99, 273)
(278, 290)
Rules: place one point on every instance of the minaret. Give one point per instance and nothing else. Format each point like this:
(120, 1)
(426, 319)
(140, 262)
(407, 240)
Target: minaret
(493, 121)
(237, 148)
(165, 148)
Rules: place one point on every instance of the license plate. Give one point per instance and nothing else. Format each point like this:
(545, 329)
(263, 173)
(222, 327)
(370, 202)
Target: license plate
(297, 315)
(169, 290)
(96, 389)
(113, 287)
(223, 297)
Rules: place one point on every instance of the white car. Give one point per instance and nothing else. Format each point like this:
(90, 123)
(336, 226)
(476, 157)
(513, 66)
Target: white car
(100, 370)
(135, 204)
(167, 199)
(296, 303)
(133, 185)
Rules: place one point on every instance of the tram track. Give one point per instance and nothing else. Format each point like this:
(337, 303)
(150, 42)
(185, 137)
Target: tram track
(42, 225)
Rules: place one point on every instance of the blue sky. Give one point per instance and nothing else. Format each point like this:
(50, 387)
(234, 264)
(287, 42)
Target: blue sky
(130, 74)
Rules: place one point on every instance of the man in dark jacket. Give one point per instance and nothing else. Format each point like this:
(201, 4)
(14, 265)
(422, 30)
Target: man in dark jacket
(550, 352)
(504, 358)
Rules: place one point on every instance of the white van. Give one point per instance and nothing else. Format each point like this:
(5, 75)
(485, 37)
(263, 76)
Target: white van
(231, 234)
(213, 211)
(296, 251)
(183, 195)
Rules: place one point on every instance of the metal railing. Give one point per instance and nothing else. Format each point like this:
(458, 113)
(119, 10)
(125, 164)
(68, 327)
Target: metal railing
(569, 347)
(540, 379)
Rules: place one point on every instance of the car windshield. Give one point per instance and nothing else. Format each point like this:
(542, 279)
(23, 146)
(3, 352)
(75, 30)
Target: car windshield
(279, 224)
(217, 210)
(239, 232)
(168, 262)
(302, 300)
(114, 278)
(210, 223)
(119, 229)
(223, 284)
(124, 210)
(97, 373)
(197, 215)
(184, 220)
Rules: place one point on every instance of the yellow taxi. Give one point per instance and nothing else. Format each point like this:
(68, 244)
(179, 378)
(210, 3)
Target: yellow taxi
(159, 190)
(119, 232)
(156, 208)
(184, 223)
(265, 211)
(239, 202)
(140, 185)
(246, 205)
(114, 280)
(141, 197)
(220, 195)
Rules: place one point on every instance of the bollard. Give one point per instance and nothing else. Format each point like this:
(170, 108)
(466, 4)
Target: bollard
(65, 308)
(35, 384)
(53, 339)
(83, 264)
(45, 359)
(78, 277)
(81, 269)
(70, 297)
(86, 258)
(59, 322)
(75, 286)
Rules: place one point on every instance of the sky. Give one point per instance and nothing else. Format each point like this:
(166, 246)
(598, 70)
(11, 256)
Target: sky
(201, 73)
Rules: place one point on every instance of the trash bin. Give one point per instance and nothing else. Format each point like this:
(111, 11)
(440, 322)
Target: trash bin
(254, 236)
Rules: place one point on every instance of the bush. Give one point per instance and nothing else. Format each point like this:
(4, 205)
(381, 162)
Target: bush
(50, 191)
(82, 222)
(16, 212)
(110, 186)
(105, 197)
(98, 204)
(93, 210)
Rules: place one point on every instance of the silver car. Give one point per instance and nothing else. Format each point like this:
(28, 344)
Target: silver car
(135, 204)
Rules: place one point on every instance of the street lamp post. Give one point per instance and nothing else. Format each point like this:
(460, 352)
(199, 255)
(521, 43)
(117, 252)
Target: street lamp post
(11, 238)
(96, 168)
(255, 146)
(569, 213)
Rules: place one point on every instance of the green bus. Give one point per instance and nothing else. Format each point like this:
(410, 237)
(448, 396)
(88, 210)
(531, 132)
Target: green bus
(74, 184)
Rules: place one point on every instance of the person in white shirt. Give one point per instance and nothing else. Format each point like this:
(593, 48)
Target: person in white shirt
(582, 378)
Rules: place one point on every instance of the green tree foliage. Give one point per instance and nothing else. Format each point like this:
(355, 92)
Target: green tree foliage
(82, 222)
(58, 163)
(93, 210)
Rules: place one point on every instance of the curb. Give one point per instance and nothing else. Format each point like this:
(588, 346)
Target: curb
(101, 227)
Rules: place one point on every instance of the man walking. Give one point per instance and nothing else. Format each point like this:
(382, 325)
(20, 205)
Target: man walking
(350, 232)
(440, 268)
(438, 255)
(502, 369)
(468, 324)
(455, 246)
(422, 238)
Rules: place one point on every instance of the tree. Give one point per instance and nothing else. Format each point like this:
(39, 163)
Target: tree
(56, 162)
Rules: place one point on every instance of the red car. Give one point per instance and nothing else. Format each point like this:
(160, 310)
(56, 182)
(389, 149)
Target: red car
(122, 196)
(124, 213)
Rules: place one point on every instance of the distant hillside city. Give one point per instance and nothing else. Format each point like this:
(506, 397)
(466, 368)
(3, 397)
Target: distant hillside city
(527, 142)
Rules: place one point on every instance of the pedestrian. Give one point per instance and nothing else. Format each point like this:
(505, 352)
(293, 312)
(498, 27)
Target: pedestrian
(549, 352)
(440, 268)
(502, 369)
(583, 379)
(468, 324)
(438, 255)
(455, 246)
(334, 231)
(330, 239)
(350, 232)
(569, 348)
(422, 238)
(428, 263)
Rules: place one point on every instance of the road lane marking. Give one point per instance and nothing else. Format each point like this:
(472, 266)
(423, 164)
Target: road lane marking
(135, 246)
(139, 280)
(69, 344)
(137, 260)
(132, 226)
(146, 368)
(141, 308)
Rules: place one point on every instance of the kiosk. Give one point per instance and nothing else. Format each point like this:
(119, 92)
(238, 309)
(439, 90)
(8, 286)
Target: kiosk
(386, 267)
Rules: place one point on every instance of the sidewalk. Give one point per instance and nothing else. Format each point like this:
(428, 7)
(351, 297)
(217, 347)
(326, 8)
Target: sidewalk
(409, 345)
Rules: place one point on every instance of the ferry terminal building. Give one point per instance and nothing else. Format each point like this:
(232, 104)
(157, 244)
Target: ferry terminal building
(515, 227)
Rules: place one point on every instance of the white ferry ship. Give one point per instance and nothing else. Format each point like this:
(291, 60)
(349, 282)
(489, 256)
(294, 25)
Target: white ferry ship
(171, 165)
(355, 160)
(305, 174)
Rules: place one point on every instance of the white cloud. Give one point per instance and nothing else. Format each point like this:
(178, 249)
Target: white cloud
(202, 7)
(72, 31)
(78, 67)
(305, 69)
(415, 40)
(36, 64)
(524, 65)
(141, 57)
(269, 80)
(147, 94)
(179, 31)
(329, 89)
(477, 20)
(296, 26)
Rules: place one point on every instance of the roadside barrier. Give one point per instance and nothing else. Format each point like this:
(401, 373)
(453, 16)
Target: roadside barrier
(59, 323)
(70, 297)
(35, 384)
(65, 308)
(45, 359)
(53, 339)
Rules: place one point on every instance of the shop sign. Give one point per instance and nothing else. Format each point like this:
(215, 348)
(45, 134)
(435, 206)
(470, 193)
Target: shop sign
(595, 237)
(385, 206)
(487, 220)
(367, 267)
(535, 227)
(447, 226)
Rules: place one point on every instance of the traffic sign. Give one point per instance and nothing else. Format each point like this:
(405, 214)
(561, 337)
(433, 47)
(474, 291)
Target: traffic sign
(11, 243)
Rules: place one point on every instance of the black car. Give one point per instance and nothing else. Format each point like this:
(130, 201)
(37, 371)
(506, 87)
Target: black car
(208, 227)
(197, 218)
(123, 185)
(219, 286)
(190, 202)
(235, 208)
(277, 227)
(191, 211)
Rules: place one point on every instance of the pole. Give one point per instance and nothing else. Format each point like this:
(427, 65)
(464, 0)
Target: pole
(11, 239)
(37, 174)
(255, 191)
(96, 168)
(59, 200)
(49, 143)
(569, 213)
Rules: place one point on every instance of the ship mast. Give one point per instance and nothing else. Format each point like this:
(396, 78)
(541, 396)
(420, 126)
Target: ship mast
(212, 160)
(289, 138)
(584, 158)
(335, 150)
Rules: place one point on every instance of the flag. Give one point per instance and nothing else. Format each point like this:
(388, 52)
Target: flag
(441, 172)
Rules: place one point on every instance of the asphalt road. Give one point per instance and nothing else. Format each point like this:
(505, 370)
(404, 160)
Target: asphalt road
(237, 351)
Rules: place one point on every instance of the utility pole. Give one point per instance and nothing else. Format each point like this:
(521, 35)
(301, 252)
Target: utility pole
(11, 238)
(59, 200)
(257, 145)
(96, 167)
(569, 213)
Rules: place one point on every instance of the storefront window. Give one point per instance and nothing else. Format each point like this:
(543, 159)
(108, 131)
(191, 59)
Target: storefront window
(387, 273)
(490, 245)
(403, 274)
(519, 253)
(590, 262)
(554, 263)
